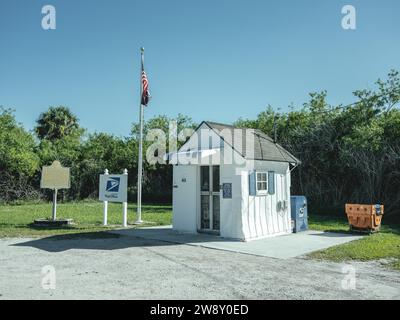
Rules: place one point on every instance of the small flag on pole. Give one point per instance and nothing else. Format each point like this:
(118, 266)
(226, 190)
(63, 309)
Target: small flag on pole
(145, 89)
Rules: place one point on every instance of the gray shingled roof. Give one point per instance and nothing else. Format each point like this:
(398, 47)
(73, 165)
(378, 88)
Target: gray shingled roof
(257, 146)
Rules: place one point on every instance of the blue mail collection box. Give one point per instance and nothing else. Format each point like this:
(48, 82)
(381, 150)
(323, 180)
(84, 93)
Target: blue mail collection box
(299, 213)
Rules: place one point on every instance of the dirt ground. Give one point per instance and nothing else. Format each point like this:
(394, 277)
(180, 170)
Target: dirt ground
(134, 268)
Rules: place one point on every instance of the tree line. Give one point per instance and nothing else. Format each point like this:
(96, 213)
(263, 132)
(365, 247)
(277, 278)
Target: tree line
(349, 153)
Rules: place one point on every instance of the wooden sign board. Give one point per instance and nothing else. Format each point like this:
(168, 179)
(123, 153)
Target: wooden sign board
(55, 177)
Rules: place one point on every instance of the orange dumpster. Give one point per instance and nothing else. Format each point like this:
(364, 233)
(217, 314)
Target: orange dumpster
(364, 217)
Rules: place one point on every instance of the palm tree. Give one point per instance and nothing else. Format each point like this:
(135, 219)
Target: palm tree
(56, 123)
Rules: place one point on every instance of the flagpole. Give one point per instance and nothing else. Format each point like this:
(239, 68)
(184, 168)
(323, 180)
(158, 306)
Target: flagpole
(140, 160)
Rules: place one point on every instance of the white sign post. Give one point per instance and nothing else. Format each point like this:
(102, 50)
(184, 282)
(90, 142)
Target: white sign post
(105, 206)
(125, 206)
(114, 188)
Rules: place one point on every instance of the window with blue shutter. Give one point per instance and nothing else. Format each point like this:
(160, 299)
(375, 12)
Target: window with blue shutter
(259, 183)
(271, 182)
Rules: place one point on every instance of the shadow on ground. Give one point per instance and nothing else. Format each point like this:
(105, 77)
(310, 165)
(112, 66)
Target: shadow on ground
(282, 247)
(120, 239)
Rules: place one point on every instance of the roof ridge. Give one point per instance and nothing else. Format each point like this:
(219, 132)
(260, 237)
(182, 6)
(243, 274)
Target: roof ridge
(232, 126)
(219, 123)
(259, 135)
(264, 135)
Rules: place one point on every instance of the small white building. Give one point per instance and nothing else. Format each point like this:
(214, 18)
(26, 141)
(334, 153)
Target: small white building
(232, 182)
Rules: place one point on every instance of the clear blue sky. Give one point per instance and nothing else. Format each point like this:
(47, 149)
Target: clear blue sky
(209, 59)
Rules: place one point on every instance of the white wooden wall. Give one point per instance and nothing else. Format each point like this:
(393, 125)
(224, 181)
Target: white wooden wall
(260, 217)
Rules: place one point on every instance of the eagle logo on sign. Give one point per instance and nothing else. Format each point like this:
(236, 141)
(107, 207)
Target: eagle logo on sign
(113, 184)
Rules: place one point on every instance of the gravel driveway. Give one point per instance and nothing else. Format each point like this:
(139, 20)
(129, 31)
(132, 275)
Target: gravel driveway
(133, 268)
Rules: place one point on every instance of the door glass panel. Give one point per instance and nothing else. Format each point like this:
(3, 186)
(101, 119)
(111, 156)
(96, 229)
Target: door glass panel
(215, 176)
(204, 178)
(216, 212)
(205, 211)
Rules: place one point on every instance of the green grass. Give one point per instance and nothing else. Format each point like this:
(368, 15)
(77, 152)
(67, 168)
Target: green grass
(324, 223)
(382, 245)
(16, 220)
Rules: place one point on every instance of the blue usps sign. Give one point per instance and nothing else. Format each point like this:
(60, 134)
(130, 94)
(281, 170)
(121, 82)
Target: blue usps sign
(227, 190)
(113, 188)
(113, 184)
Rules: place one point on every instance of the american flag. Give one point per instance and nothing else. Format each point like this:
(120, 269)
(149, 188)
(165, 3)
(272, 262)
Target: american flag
(145, 89)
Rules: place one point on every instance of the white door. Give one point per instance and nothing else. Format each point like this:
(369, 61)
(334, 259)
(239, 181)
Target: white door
(184, 198)
(209, 199)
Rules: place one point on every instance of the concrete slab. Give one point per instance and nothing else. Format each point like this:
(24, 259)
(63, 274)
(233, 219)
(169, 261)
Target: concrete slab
(280, 247)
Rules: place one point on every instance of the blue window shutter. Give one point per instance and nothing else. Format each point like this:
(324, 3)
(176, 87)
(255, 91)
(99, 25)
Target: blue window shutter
(252, 183)
(271, 182)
